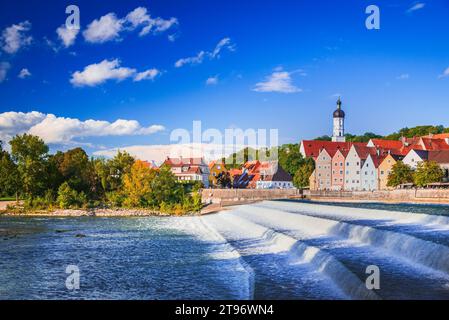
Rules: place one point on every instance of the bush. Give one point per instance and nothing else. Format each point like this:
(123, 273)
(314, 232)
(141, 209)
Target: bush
(115, 199)
(69, 198)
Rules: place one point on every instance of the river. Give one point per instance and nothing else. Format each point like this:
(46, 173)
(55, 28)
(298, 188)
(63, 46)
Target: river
(268, 250)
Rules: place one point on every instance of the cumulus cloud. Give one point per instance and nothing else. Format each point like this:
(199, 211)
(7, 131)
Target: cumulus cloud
(106, 28)
(60, 130)
(109, 27)
(24, 73)
(140, 17)
(98, 73)
(158, 153)
(150, 74)
(223, 44)
(416, 6)
(4, 67)
(279, 81)
(15, 37)
(67, 36)
(212, 81)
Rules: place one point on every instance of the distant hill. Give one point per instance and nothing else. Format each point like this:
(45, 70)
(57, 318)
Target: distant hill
(404, 132)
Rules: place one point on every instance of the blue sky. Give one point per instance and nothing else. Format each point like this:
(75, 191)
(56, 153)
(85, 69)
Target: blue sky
(270, 64)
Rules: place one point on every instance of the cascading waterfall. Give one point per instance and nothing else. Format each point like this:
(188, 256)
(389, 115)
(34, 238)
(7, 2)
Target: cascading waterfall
(320, 260)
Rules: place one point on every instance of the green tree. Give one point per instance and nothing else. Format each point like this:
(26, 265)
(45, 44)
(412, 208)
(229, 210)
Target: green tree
(290, 158)
(111, 172)
(400, 173)
(67, 197)
(428, 172)
(9, 175)
(31, 153)
(302, 175)
(165, 188)
(76, 169)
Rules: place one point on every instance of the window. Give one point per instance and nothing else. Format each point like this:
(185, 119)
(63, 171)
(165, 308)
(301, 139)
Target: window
(219, 167)
(382, 173)
(341, 164)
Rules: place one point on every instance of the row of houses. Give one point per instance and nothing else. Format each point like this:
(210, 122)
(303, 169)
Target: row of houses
(366, 166)
(251, 175)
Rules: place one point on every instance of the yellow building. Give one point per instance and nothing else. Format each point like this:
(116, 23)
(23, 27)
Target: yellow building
(312, 181)
(215, 169)
(385, 168)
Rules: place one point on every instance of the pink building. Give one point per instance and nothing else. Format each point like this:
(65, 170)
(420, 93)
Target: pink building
(338, 170)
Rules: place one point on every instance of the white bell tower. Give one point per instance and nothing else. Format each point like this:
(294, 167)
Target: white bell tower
(339, 124)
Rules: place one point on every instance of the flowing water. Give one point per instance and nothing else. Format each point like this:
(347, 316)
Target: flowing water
(268, 250)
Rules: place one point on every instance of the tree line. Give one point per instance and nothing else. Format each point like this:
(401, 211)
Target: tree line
(426, 172)
(72, 179)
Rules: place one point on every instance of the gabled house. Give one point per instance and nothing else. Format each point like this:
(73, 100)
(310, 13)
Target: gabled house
(273, 176)
(216, 168)
(355, 160)
(414, 157)
(385, 168)
(189, 169)
(323, 171)
(312, 148)
(338, 170)
(369, 179)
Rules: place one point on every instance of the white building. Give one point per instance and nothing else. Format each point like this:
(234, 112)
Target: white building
(339, 124)
(355, 160)
(414, 157)
(369, 177)
(189, 169)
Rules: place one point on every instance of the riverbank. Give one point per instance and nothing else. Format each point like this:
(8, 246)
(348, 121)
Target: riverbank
(87, 213)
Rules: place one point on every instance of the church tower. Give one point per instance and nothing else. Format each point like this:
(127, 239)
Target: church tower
(339, 124)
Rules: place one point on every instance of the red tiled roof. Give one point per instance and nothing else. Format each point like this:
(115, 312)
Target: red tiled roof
(441, 156)
(364, 151)
(441, 136)
(434, 144)
(387, 144)
(313, 148)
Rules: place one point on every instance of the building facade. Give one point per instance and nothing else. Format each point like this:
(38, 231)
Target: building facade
(338, 170)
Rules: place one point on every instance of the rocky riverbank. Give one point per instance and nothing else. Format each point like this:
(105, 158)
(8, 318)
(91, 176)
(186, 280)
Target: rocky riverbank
(87, 213)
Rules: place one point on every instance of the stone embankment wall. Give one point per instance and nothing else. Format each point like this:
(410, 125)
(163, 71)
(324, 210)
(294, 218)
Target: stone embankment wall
(409, 195)
(236, 196)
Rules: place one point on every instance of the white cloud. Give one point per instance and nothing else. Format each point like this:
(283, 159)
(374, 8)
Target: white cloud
(150, 74)
(107, 28)
(140, 17)
(445, 73)
(24, 73)
(59, 130)
(158, 153)
(416, 6)
(225, 43)
(404, 76)
(67, 36)
(212, 81)
(4, 67)
(15, 37)
(99, 73)
(278, 81)
(191, 60)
